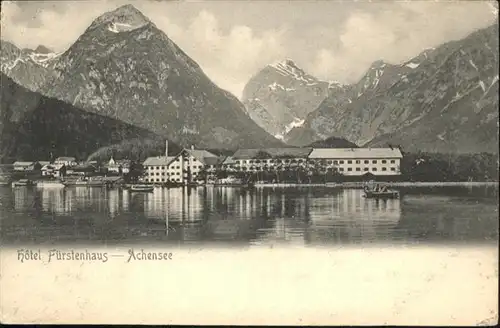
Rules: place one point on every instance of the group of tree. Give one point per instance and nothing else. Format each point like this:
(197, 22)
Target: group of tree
(449, 167)
(424, 167)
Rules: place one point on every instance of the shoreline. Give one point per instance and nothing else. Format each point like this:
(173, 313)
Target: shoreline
(391, 184)
(353, 185)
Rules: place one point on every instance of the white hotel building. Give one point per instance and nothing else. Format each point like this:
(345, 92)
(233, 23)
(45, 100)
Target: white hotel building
(359, 161)
(182, 168)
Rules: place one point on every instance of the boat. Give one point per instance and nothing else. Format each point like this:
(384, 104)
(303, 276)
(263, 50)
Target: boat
(382, 192)
(23, 183)
(51, 184)
(141, 188)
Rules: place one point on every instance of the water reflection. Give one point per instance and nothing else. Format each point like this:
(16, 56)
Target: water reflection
(263, 216)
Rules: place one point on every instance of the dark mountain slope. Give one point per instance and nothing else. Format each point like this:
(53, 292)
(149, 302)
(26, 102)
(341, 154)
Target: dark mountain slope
(36, 127)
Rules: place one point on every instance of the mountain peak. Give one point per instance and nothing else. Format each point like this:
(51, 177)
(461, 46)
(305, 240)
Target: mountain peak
(285, 63)
(41, 49)
(378, 64)
(123, 18)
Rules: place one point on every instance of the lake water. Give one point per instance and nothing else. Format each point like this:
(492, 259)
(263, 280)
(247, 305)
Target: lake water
(236, 217)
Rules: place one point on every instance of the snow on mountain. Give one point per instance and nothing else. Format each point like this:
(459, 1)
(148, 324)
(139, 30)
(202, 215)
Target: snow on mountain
(281, 95)
(29, 68)
(121, 27)
(297, 122)
(412, 65)
(289, 68)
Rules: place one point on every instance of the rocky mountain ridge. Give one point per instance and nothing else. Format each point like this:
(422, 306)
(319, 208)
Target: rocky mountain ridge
(30, 68)
(445, 99)
(125, 68)
(280, 96)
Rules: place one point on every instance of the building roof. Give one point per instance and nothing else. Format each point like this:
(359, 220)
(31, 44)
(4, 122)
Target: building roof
(201, 154)
(229, 160)
(21, 163)
(272, 153)
(43, 163)
(52, 167)
(356, 153)
(158, 160)
(66, 159)
(214, 160)
(120, 162)
(84, 167)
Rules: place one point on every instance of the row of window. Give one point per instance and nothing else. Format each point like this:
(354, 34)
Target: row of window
(341, 169)
(162, 180)
(349, 169)
(163, 173)
(335, 162)
(172, 167)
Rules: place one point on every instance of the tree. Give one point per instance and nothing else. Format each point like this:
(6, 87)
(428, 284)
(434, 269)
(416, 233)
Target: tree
(135, 171)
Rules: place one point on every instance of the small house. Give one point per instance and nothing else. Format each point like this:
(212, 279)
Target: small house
(119, 166)
(66, 161)
(21, 166)
(53, 170)
(84, 169)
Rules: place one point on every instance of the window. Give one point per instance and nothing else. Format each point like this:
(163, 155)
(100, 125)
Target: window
(384, 161)
(366, 169)
(157, 173)
(384, 169)
(358, 169)
(358, 161)
(177, 167)
(349, 162)
(329, 162)
(335, 162)
(393, 161)
(341, 169)
(374, 161)
(157, 167)
(393, 169)
(367, 162)
(157, 180)
(162, 180)
(374, 169)
(163, 167)
(349, 169)
(162, 173)
(341, 162)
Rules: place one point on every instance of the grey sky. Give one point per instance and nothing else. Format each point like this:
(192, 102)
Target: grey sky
(232, 40)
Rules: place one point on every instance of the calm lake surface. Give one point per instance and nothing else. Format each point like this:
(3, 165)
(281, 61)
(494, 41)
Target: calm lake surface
(232, 216)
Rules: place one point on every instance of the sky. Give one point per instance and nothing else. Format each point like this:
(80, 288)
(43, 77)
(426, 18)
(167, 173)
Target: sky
(334, 40)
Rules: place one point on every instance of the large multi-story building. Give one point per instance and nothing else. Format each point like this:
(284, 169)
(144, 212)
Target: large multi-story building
(252, 160)
(182, 168)
(347, 161)
(358, 161)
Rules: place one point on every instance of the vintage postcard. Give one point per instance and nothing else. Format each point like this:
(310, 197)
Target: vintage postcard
(249, 162)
